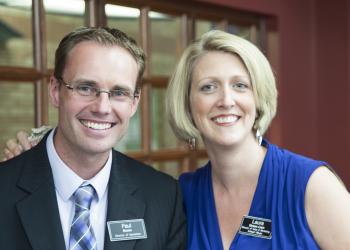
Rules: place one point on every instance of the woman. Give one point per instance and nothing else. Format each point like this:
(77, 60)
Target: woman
(251, 194)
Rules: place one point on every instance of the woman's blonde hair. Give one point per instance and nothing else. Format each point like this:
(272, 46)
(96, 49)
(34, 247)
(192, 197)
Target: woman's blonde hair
(259, 69)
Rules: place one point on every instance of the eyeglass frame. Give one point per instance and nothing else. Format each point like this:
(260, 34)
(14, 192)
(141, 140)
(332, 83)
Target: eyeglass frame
(97, 91)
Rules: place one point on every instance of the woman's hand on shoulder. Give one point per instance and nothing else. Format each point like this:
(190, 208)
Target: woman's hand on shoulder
(16, 146)
(327, 206)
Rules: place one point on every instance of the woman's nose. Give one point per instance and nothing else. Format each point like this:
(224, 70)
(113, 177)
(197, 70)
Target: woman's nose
(226, 98)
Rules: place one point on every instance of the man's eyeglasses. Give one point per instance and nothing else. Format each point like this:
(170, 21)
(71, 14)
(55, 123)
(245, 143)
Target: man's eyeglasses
(90, 93)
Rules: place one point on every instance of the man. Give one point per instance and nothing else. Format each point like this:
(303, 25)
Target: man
(72, 190)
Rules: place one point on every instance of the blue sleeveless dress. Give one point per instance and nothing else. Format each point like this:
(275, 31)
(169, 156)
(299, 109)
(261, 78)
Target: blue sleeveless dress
(279, 197)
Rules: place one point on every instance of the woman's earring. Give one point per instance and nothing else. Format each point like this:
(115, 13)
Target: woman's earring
(258, 136)
(192, 143)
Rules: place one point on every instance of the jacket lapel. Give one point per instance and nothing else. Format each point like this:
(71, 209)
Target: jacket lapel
(38, 211)
(122, 204)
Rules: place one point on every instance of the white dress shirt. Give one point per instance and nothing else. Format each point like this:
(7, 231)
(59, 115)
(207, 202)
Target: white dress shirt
(66, 182)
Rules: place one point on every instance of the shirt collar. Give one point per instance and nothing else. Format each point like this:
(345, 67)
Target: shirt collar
(67, 181)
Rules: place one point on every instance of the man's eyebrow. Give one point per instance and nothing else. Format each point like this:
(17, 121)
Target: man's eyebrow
(121, 87)
(86, 81)
(94, 83)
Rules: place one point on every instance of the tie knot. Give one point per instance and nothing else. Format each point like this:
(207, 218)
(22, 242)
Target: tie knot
(83, 197)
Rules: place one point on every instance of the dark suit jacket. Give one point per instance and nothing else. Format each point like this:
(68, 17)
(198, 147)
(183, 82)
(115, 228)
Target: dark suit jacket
(29, 216)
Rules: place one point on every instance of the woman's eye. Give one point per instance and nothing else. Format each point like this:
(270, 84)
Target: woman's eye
(207, 87)
(240, 86)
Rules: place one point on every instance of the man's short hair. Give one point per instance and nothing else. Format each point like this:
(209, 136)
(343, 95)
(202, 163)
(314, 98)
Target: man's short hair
(104, 36)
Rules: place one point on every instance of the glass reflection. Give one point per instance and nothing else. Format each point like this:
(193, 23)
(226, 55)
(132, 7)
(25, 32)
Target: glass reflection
(124, 18)
(16, 46)
(165, 42)
(246, 32)
(162, 135)
(203, 26)
(61, 18)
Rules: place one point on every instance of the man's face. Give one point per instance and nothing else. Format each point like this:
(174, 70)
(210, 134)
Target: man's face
(89, 127)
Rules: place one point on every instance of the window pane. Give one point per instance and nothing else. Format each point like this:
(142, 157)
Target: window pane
(162, 135)
(170, 167)
(250, 33)
(165, 42)
(16, 46)
(132, 139)
(16, 109)
(203, 26)
(61, 18)
(243, 31)
(124, 18)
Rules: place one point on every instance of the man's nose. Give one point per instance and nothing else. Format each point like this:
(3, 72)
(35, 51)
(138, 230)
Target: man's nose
(102, 104)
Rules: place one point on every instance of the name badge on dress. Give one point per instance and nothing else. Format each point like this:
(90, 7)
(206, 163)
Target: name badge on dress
(256, 227)
(126, 230)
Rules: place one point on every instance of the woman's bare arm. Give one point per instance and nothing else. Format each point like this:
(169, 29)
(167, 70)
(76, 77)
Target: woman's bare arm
(327, 205)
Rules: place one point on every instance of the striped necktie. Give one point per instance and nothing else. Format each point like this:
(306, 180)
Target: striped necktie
(82, 236)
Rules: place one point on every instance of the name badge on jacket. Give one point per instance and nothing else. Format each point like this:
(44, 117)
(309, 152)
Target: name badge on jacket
(256, 227)
(126, 230)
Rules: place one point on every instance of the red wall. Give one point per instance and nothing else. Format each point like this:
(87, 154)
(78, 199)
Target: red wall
(313, 76)
(332, 63)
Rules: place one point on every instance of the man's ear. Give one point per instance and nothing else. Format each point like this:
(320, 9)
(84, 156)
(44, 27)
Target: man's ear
(135, 103)
(54, 91)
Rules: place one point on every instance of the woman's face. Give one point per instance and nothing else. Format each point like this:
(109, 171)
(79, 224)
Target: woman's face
(222, 100)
